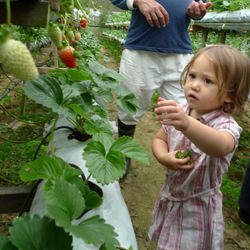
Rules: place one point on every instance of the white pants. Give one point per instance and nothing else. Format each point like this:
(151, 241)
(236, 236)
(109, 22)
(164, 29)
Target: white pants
(146, 72)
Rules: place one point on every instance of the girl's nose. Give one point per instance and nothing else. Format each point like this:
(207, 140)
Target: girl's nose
(195, 84)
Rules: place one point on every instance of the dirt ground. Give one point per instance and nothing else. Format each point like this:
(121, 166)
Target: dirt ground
(142, 185)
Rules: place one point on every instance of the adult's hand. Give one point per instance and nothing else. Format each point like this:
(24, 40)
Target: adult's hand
(154, 12)
(197, 10)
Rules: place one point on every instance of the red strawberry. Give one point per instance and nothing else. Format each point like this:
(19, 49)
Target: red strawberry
(83, 22)
(67, 57)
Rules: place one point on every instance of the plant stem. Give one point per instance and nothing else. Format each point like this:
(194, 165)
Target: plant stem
(53, 137)
(23, 105)
(8, 11)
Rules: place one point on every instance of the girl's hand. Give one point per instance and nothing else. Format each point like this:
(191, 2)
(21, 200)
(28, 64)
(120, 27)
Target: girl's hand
(170, 161)
(170, 113)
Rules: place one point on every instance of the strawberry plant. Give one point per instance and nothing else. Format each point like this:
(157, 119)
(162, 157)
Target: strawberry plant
(80, 95)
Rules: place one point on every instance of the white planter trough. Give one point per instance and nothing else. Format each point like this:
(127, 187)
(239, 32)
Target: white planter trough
(113, 209)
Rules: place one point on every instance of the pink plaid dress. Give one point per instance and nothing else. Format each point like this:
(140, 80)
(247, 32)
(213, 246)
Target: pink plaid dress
(188, 212)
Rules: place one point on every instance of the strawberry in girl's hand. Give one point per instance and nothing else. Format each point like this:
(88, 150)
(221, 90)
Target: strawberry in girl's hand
(83, 22)
(182, 154)
(17, 59)
(67, 57)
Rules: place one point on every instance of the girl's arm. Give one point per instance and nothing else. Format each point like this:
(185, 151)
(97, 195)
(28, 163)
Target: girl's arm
(166, 158)
(209, 140)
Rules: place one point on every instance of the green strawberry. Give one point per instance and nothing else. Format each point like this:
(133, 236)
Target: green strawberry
(181, 154)
(70, 36)
(55, 34)
(18, 60)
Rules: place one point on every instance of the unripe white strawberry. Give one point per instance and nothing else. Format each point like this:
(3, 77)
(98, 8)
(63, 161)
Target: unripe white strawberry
(18, 60)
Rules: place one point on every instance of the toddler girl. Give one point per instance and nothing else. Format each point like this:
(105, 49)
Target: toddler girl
(188, 212)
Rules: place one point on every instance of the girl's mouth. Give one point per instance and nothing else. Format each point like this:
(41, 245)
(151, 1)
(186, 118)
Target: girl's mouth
(192, 97)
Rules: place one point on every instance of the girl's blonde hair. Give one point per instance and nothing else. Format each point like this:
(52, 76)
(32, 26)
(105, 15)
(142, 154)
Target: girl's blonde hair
(232, 70)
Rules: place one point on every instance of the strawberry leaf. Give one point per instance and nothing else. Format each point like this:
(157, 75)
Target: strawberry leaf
(130, 148)
(105, 158)
(5, 244)
(95, 231)
(62, 206)
(45, 90)
(46, 167)
(30, 233)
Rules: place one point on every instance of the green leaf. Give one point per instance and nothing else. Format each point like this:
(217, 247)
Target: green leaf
(91, 121)
(47, 167)
(105, 139)
(45, 90)
(77, 75)
(105, 168)
(95, 231)
(101, 70)
(64, 202)
(92, 200)
(5, 244)
(130, 148)
(127, 101)
(106, 246)
(105, 158)
(90, 191)
(31, 233)
(103, 96)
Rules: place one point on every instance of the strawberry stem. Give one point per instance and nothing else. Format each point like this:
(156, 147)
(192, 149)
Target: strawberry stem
(79, 6)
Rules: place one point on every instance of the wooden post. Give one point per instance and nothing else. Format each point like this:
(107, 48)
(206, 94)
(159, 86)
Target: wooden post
(204, 37)
(26, 13)
(223, 37)
(55, 55)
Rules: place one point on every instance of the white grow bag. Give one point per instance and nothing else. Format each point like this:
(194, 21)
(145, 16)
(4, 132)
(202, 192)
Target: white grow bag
(113, 209)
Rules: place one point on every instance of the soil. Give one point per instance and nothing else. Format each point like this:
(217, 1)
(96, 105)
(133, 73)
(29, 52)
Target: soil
(143, 183)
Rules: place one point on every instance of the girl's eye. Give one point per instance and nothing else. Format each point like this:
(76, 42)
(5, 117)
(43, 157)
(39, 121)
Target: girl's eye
(191, 75)
(208, 81)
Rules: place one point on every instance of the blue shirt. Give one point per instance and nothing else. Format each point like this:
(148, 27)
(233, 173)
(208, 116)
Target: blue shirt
(174, 38)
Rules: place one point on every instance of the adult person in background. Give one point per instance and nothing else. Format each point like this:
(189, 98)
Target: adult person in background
(156, 50)
(244, 199)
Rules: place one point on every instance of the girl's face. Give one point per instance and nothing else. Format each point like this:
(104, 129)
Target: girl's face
(201, 87)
